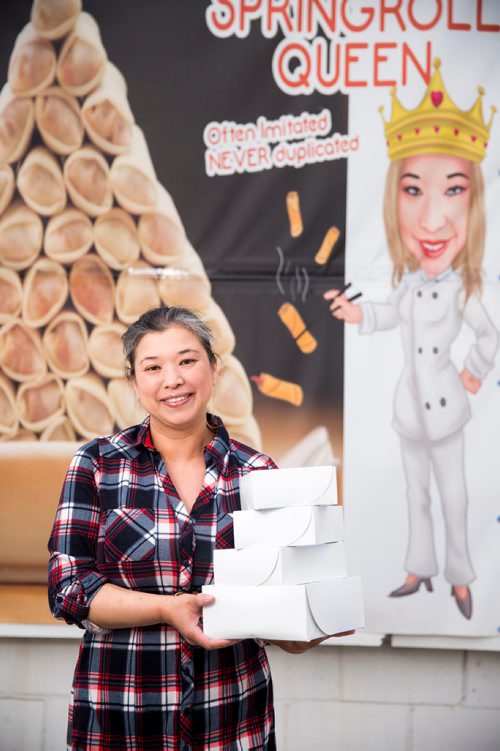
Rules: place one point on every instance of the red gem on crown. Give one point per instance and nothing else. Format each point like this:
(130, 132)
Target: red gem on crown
(436, 98)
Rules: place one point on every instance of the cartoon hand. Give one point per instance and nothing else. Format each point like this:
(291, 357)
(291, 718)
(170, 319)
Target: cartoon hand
(470, 382)
(342, 308)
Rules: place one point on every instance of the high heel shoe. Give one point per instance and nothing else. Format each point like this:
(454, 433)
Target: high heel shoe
(464, 604)
(410, 589)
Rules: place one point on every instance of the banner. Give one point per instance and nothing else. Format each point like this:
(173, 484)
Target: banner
(268, 130)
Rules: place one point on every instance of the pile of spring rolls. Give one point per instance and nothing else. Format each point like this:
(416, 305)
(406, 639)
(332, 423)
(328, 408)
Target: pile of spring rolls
(89, 240)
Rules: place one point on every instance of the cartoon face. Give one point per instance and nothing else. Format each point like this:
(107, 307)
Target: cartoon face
(434, 197)
(173, 378)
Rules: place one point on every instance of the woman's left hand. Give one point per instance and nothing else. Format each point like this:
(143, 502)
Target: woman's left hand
(298, 647)
(470, 382)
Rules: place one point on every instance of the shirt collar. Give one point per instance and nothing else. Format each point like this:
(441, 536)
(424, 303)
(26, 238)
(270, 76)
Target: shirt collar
(137, 438)
(439, 278)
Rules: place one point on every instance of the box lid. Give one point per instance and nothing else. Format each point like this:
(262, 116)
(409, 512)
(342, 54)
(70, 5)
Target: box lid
(297, 486)
(250, 565)
(325, 608)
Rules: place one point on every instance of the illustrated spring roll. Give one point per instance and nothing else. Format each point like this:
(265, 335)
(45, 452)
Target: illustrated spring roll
(135, 293)
(161, 233)
(232, 398)
(88, 407)
(92, 290)
(65, 344)
(32, 64)
(21, 236)
(11, 294)
(115, 239)
(292, 319)
(276, 388)
(124, 405)
(59, 120)
(7, 185)
(86, 174)
(106, 114)
(82, 59)
(133, 178)
(68, 236)
(17, 120)
(54, 19)
(40, 182)
(327, 246)
(58, 429)
(45, 292)
(9, 422)
(21, 352)
(105, 349)
(37, 403)
(294, 215)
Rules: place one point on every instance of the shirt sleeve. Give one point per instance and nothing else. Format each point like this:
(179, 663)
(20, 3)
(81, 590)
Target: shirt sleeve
(481, 356)
(73, 576)
(381, 316)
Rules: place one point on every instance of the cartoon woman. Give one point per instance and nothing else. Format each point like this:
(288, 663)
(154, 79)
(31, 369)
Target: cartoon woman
(435, 226)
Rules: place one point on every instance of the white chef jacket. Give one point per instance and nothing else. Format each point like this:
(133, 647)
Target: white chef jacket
(431, 403)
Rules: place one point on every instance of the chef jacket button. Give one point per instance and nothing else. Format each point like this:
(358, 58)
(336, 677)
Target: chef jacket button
(419, 350)
(435, 350)
(442, 401)
(419, 293)
(434, 294)
(427, 405)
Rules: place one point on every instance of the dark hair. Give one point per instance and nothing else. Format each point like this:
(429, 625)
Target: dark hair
(160, 319)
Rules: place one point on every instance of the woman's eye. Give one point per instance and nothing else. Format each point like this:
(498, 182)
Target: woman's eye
(455, 190)
(412, 190)
(188, 361)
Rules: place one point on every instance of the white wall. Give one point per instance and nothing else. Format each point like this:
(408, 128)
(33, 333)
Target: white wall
(338, 698)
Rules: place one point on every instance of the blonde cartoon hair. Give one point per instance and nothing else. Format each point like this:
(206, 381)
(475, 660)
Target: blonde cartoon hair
(468, 262)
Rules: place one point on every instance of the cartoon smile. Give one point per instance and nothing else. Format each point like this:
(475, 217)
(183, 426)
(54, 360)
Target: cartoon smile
(433, 249)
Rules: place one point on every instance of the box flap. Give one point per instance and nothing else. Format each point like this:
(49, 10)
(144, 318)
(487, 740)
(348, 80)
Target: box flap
(328, 600)
(298, 486)
(248, 566)
(292, 527)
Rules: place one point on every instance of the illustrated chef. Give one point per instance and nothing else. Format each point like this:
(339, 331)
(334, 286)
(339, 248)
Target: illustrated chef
(435, 227)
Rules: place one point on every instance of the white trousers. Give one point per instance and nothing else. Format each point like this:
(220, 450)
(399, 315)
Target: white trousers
(447, 462)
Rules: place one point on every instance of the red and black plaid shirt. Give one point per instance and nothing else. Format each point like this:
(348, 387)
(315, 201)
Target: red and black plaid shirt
(121, 520)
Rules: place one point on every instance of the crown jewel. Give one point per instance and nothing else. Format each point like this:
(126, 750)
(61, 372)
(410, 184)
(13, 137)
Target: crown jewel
(437, 125)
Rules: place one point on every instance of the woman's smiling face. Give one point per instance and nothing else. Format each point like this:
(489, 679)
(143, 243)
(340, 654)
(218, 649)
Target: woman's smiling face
(434, 198)
(173, 378)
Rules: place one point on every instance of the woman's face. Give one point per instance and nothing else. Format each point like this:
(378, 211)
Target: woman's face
(173, 378)
(434, 198)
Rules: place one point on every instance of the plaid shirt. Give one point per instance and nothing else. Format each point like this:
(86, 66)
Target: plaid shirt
(121, 520)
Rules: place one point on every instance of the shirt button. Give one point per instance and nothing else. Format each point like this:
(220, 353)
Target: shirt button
(435, 350)
(434, 295)
(442, 402)
(419, 293)
(419, 350)
(427, 405)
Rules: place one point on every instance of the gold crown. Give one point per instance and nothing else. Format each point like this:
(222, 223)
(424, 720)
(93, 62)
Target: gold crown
(437, 125)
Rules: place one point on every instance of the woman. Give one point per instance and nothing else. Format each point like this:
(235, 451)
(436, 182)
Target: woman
(434, 219)
(139, 516)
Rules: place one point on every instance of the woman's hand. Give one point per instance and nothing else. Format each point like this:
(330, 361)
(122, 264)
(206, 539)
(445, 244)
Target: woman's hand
(298, 647)
(470, 382)
(342, 308)
(184, 613)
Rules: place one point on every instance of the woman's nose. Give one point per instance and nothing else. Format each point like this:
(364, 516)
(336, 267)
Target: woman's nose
(432, 217)
(172, 377)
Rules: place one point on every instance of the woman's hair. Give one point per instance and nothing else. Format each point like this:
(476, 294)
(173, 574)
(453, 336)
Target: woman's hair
(160, 319)
(468, 262)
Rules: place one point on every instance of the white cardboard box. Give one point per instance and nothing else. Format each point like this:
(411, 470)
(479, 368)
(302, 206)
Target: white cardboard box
(266, 565)
(284, 527)
(297, 611)
(295, 486)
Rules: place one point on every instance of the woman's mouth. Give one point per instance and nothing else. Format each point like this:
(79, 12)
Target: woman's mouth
(433, 249)
(179, 400)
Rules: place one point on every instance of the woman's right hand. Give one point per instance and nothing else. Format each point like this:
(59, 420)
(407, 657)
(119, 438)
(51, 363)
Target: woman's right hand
(342, 308)
(184, 611)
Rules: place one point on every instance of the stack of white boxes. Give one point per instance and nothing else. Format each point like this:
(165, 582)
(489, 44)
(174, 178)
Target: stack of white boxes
(286, 577)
